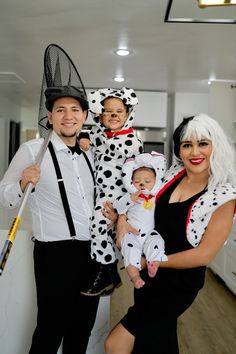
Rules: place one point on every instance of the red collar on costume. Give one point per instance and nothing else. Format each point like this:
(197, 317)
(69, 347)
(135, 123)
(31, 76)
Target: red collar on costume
(121, 132)
(146, 197)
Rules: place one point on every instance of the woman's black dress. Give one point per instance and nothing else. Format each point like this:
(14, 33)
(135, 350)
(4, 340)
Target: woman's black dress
(153, 317)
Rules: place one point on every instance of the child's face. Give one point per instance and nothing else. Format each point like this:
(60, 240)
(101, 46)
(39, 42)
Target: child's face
(144, 179)
(114, 115)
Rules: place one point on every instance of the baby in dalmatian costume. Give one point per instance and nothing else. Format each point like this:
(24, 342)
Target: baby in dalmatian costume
(142, 177)
(111, 148)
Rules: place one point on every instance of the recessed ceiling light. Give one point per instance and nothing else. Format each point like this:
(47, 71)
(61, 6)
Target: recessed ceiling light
(123, 52)
(119, 78)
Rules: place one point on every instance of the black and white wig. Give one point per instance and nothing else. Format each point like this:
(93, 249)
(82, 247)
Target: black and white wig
(222, 160)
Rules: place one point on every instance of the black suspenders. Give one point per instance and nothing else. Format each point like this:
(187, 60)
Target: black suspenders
(63, 190)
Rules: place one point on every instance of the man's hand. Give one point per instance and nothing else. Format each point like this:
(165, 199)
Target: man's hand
(30, 175)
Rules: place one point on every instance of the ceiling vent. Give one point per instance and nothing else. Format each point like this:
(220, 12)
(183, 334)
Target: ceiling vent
(8, 77)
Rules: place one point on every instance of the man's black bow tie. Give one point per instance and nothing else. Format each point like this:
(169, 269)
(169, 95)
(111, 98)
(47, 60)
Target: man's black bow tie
(74, 149)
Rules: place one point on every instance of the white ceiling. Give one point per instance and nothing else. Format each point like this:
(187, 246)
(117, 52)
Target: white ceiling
(166, 56)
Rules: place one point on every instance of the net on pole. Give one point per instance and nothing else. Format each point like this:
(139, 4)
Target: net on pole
(59, 70)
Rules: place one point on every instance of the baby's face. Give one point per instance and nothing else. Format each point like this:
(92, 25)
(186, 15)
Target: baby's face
(114, 115)
(144, 179)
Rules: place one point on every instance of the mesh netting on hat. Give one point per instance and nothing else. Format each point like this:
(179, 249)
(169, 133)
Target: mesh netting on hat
(59, 70)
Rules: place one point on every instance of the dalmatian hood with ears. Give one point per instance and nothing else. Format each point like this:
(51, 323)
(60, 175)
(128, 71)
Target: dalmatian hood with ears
(127, 95)
(154, 160)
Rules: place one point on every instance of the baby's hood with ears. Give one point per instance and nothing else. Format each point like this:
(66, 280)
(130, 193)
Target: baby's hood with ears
(154, 160)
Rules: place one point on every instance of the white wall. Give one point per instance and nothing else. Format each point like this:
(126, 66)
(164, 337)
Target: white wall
(222, 105)
(151, 110)
(184, 104)
(29, 120)
(29, 117)
(9, 109)
(189, 104)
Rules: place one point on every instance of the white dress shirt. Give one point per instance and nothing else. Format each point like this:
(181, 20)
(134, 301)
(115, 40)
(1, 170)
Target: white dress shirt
(48, 217)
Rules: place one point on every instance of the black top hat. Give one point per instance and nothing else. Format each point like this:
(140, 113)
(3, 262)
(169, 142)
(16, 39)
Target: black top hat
(53, 93)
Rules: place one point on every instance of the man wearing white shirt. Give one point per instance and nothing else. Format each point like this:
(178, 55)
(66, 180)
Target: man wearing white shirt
(60, 223)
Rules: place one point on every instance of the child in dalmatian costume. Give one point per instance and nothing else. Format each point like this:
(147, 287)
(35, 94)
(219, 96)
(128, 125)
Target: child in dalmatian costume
(142, 177)
(111, 148)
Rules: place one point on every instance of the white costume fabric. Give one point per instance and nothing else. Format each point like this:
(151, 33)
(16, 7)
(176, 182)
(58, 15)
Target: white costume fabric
(110, 153)
(201, 210)
(141, 215)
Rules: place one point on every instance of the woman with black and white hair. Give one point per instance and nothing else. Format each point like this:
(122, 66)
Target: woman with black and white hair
(194, 214)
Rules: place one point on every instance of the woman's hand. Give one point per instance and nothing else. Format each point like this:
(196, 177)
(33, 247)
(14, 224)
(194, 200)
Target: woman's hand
(122, 228)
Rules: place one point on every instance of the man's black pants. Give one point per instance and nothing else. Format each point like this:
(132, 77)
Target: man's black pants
(61, 270)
